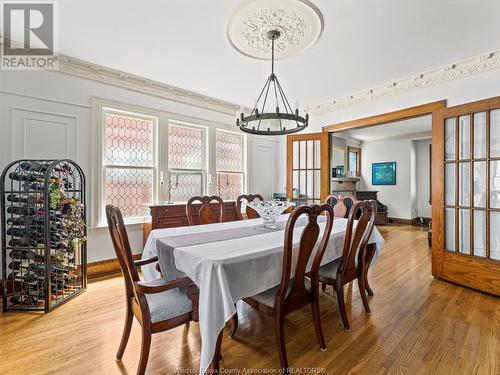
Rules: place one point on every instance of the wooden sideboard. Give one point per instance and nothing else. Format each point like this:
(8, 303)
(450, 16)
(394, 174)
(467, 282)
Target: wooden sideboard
(174, 215)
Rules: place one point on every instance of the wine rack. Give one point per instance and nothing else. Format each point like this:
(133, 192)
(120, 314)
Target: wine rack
(44, 257)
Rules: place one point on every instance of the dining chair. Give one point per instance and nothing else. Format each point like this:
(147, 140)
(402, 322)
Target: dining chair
(159, 305)
(353, 264)
(205, 213)
(338, 202)
(250, 212)
(294, 293)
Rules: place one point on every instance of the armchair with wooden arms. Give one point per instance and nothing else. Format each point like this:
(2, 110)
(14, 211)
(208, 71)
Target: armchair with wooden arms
(158, 305)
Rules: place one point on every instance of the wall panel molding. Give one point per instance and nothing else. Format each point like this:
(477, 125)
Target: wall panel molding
(26, 123)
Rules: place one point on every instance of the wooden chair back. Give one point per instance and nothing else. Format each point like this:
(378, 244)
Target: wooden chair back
(298, 294)
(356, 238)
(250, 212)
(205, 213)
(123, 252)
(338, 202)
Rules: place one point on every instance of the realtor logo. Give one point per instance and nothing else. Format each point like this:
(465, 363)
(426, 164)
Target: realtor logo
(29, 36)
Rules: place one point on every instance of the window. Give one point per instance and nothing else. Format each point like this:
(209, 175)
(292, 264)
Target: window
(229, 164)
(354, 158)
(128, 161)
(186, 161)
(142, 156)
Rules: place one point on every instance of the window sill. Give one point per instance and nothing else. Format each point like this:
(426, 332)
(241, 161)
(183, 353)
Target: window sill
(133, 224)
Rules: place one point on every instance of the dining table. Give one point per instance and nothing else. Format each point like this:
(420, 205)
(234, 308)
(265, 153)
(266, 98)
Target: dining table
(230, 261)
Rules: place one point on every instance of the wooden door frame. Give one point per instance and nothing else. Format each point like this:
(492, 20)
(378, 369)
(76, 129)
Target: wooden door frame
(324, 160)
(463, 269)
(387, 118)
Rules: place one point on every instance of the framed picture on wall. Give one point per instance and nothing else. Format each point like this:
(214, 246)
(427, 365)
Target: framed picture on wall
(384, 173)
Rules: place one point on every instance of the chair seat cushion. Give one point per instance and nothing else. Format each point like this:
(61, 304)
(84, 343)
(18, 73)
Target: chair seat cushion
(267, 297)
(330, 269)
(168, 305)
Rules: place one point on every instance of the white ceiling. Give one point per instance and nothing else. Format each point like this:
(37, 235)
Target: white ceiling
(364, 43)
(415, 128)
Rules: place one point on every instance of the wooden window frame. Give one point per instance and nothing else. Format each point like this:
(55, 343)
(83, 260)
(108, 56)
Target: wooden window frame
(357, 151)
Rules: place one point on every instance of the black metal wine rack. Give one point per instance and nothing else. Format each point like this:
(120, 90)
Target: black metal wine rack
(44, 233)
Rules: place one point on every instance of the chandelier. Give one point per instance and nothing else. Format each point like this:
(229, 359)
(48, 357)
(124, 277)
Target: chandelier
(278, 120)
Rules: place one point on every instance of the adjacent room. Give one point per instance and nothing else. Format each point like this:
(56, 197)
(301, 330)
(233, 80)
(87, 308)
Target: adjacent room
(250, 187)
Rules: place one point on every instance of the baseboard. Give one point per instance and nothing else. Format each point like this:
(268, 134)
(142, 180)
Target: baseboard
(105, 267)
(397, 220)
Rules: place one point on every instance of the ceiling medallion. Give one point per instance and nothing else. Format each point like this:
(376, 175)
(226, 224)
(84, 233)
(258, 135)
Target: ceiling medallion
(277, 119)
(299, 23)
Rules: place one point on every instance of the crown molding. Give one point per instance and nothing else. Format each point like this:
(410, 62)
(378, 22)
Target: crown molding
(466, 68)
(463, 69)
(86, 70)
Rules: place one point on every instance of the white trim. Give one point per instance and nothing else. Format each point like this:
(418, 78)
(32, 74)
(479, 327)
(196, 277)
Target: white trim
(94, 72)
(462, 69)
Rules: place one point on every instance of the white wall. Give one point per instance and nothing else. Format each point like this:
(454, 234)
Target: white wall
(424, 209)
(58, 104)
(396, 197)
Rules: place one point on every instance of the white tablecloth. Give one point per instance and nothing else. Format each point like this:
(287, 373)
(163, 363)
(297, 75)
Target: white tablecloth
(227, 271)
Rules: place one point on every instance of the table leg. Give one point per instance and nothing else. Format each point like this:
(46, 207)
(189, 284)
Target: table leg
(215, 364)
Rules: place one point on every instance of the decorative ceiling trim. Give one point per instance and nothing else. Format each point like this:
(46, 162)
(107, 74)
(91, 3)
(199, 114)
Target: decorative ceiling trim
(463, 69)
(83, 69)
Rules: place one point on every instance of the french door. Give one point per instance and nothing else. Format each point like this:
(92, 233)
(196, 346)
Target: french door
(307, 168)
(466, 195)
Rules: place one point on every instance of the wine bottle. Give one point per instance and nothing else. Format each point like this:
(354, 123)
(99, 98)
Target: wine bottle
(29, 200)
(23, 300)
(21, 210)
(32, 233)
(23, 254)
(24, 220)
(27, 277)
(34, 166)
(23, 242)
(16, 265)
(27, 177)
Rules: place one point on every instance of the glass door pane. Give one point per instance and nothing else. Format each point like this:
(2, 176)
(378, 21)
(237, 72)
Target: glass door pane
(495, 185)
(464, 184)
(464, 137)
(495, 235)
(464, 231)
(495, 133)
(480, 135)
(449, 231)
(480, 233)
(480, 184)
(449, 184)
(449, 137)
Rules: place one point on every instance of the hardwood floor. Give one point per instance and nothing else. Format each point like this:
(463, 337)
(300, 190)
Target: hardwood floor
(418, 325)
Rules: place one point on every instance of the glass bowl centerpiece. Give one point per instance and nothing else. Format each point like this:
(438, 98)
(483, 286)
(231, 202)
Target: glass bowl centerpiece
(269, 211)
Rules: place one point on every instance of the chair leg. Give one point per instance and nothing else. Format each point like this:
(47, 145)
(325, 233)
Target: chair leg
(317, 324)
(145, 345)
(340, 298)
(234, 324)
(367, 286)
(280, 338)
(362, 292)
(129, 317)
